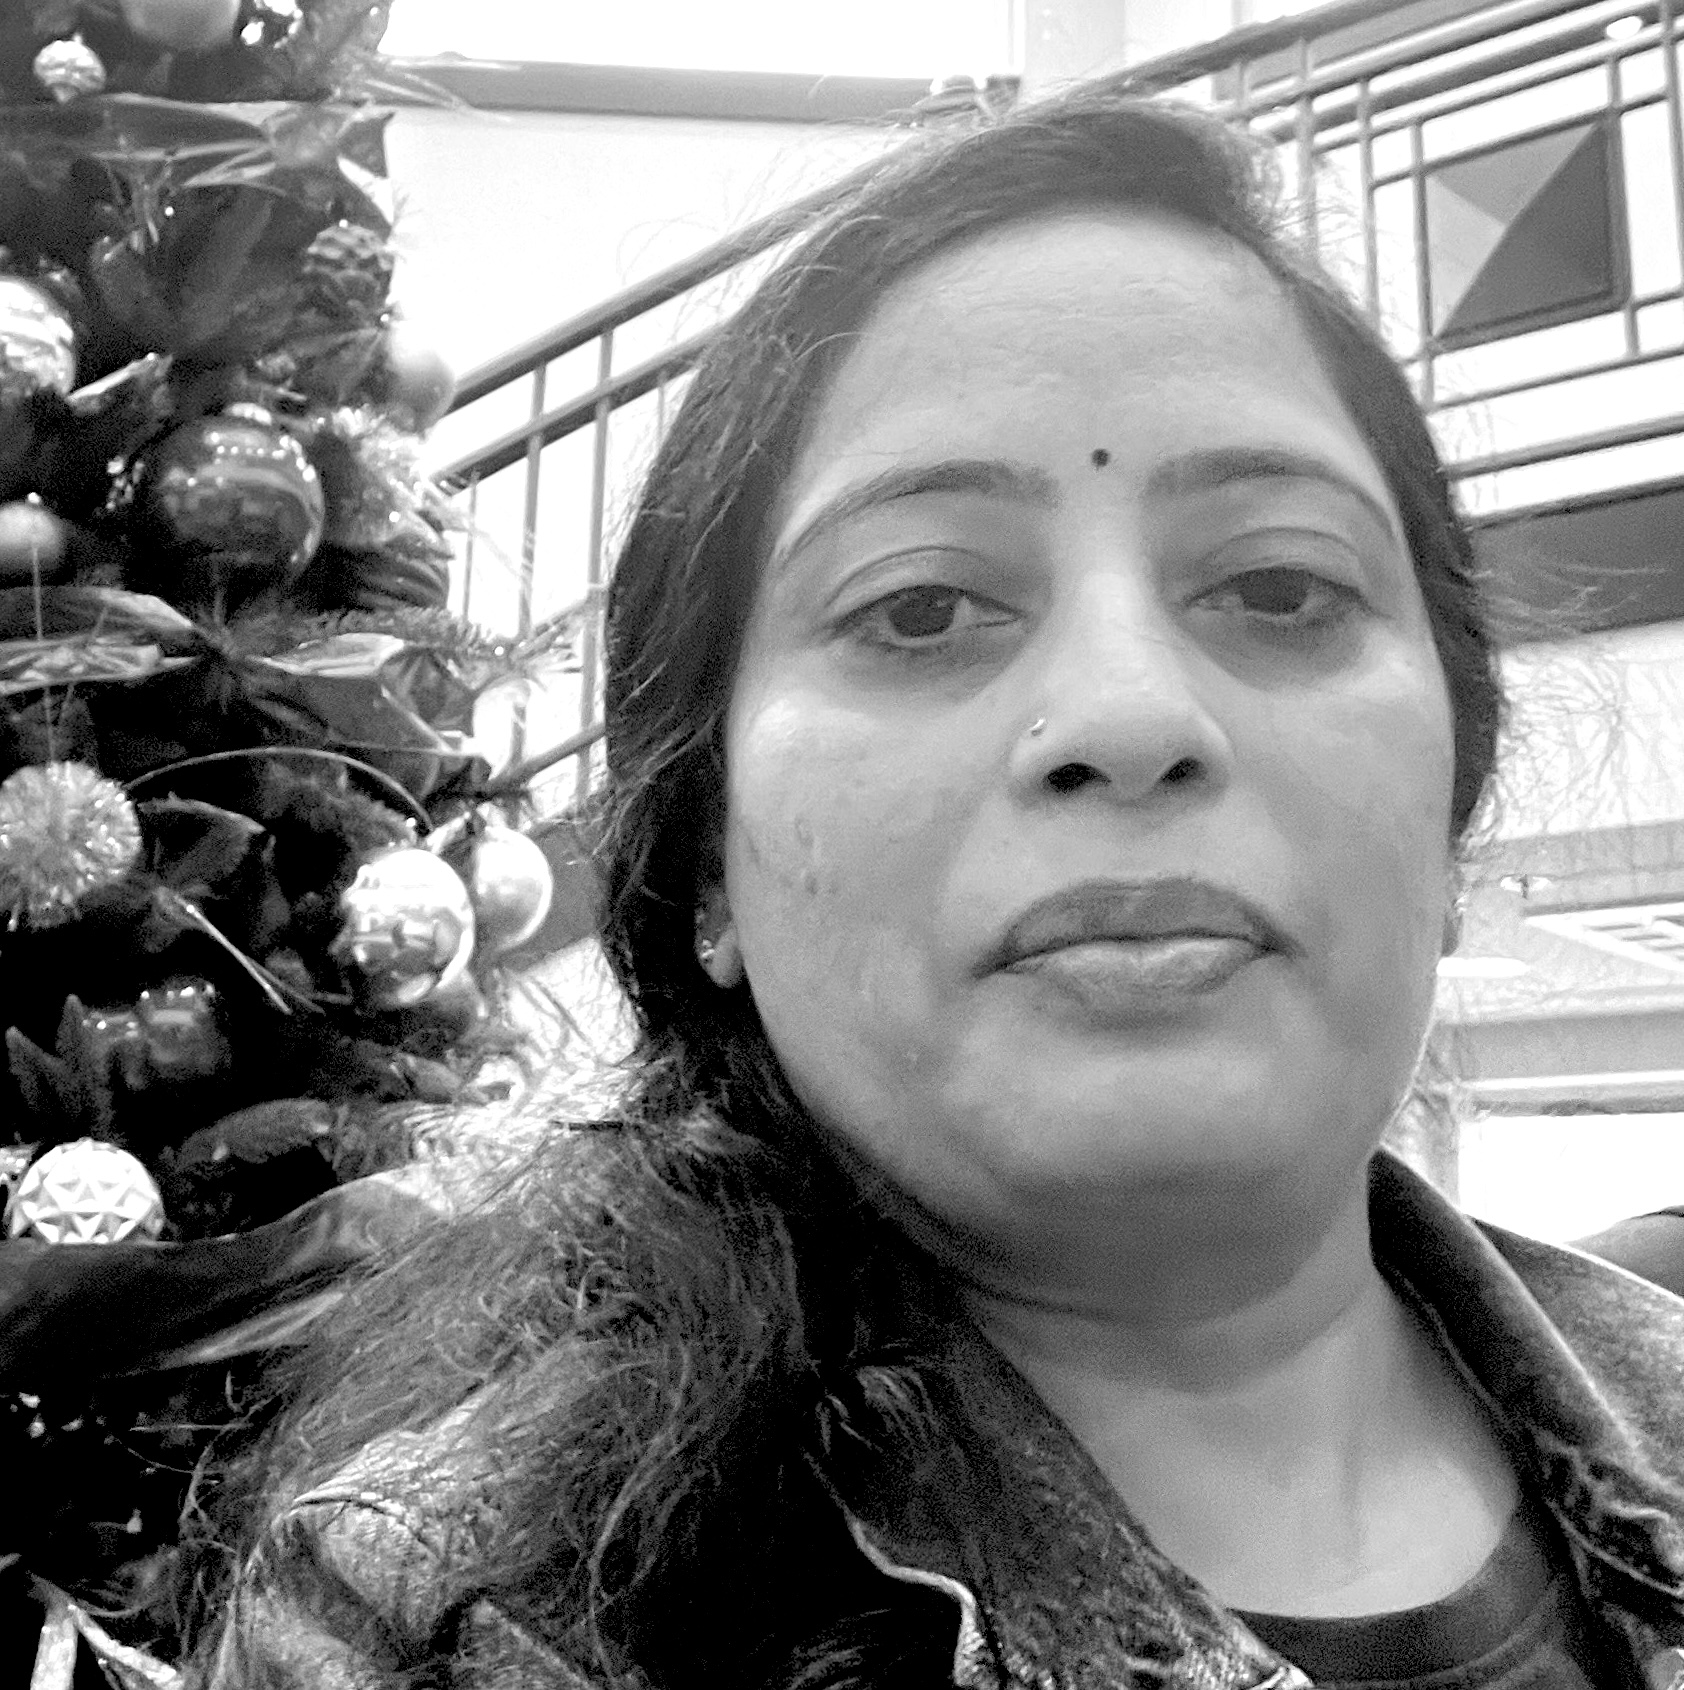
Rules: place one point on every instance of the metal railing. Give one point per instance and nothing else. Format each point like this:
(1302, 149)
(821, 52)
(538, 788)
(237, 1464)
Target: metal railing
(1359, 128)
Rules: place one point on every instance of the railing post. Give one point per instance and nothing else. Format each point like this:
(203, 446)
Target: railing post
(590, 644)
(1672, 44)
(528, 557)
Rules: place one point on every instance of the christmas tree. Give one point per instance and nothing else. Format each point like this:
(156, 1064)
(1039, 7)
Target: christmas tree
(251, 891)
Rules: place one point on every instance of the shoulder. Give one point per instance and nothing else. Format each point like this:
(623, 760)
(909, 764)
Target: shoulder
(358, 1580)
(1623, 1331)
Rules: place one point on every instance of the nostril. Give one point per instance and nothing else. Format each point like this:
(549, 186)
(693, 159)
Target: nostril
(1187, 769)
(1069, 777)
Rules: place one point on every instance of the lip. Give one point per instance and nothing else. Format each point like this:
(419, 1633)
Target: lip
(1145, 913)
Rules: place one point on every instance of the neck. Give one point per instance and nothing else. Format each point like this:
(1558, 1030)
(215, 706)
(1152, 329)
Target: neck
(1289, 1436)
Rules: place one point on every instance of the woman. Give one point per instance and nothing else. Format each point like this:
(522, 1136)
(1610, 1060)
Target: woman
(1047, 690)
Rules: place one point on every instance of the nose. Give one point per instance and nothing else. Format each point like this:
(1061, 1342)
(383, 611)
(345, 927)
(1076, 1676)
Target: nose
(1123, 703)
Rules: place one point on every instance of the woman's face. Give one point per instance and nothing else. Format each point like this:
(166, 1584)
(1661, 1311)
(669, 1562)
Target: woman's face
(1089, 761)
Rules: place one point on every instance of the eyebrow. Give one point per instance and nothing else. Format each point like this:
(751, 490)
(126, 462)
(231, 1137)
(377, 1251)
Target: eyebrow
(996, 477)
(1217, 467)
(1204, 471)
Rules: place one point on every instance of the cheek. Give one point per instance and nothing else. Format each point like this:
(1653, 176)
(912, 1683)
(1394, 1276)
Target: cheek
(833, 846)
(1368, 806)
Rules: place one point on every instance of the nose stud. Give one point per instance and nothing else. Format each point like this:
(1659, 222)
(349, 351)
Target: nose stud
(1037, 727)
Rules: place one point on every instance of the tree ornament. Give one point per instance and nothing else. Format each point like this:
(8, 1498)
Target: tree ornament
(37, 341)
(408, 926)
(85, 1192)
(69, 69)
(179, 1030)
(171, 1035)
(347, 272)
(508, 877)
(184, 26)
(33, 543)
(66, 832)
(14, 1164)
(413, 380)
(231, 505)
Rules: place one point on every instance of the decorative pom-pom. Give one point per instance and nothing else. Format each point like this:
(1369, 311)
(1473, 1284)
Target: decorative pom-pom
(66, 832)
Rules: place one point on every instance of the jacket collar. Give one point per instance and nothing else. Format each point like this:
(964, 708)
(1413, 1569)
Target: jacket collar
(1578, 1361)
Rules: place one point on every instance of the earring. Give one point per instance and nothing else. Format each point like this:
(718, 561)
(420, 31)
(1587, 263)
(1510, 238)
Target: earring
(1453, 917)
(720, 957)
(1037, 727)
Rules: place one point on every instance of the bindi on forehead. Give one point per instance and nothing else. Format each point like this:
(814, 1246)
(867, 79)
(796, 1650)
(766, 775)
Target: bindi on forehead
(1099, 457)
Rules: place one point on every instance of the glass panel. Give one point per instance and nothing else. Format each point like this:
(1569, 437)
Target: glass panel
(1642, 74)
(1637, 393)
(1660, 326)
(1391, 152)
(1544, 352)
(1394, 229)
(1649, 195)
(1339, 218)
(1567, 478)
(1514, 114)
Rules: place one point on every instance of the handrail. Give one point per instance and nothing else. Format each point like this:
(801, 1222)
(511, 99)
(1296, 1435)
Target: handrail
(551, 425)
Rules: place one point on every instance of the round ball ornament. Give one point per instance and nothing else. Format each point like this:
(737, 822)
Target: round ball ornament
(413, 381)
(408, 927)
(85, 1192)
(184, 26)
(69, 69)
(33, 543)
(231, 504)
(510, 882)
(37, 340)
(66, 833)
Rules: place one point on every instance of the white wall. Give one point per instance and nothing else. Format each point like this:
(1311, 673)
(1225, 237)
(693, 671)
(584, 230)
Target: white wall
(510, 221)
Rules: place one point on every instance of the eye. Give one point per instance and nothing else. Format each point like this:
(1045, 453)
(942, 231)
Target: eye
(1284, 596)
(925, 617)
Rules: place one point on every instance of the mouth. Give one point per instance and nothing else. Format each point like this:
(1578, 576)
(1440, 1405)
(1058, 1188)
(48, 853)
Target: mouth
(1100, 910)
(1130, 944)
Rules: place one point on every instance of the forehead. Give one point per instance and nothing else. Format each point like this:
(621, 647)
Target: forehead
(1138, 334)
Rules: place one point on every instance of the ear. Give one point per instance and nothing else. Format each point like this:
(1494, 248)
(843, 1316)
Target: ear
(717, 949)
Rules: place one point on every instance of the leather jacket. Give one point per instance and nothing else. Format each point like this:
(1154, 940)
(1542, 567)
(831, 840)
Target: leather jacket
(1580, 1363)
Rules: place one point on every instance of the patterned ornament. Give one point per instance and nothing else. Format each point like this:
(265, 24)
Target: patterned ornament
(33, 543)
(66, 832)
(69, 69)
(37, 341)
(408, 926)
(185, 26)
(85, 1192)
(510, 882)
(232, 506)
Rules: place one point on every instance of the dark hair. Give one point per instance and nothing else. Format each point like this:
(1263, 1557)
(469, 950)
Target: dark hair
(687, 572)
(683, 1334)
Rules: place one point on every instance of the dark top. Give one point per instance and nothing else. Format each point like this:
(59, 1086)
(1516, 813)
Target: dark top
(1517, 1624)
